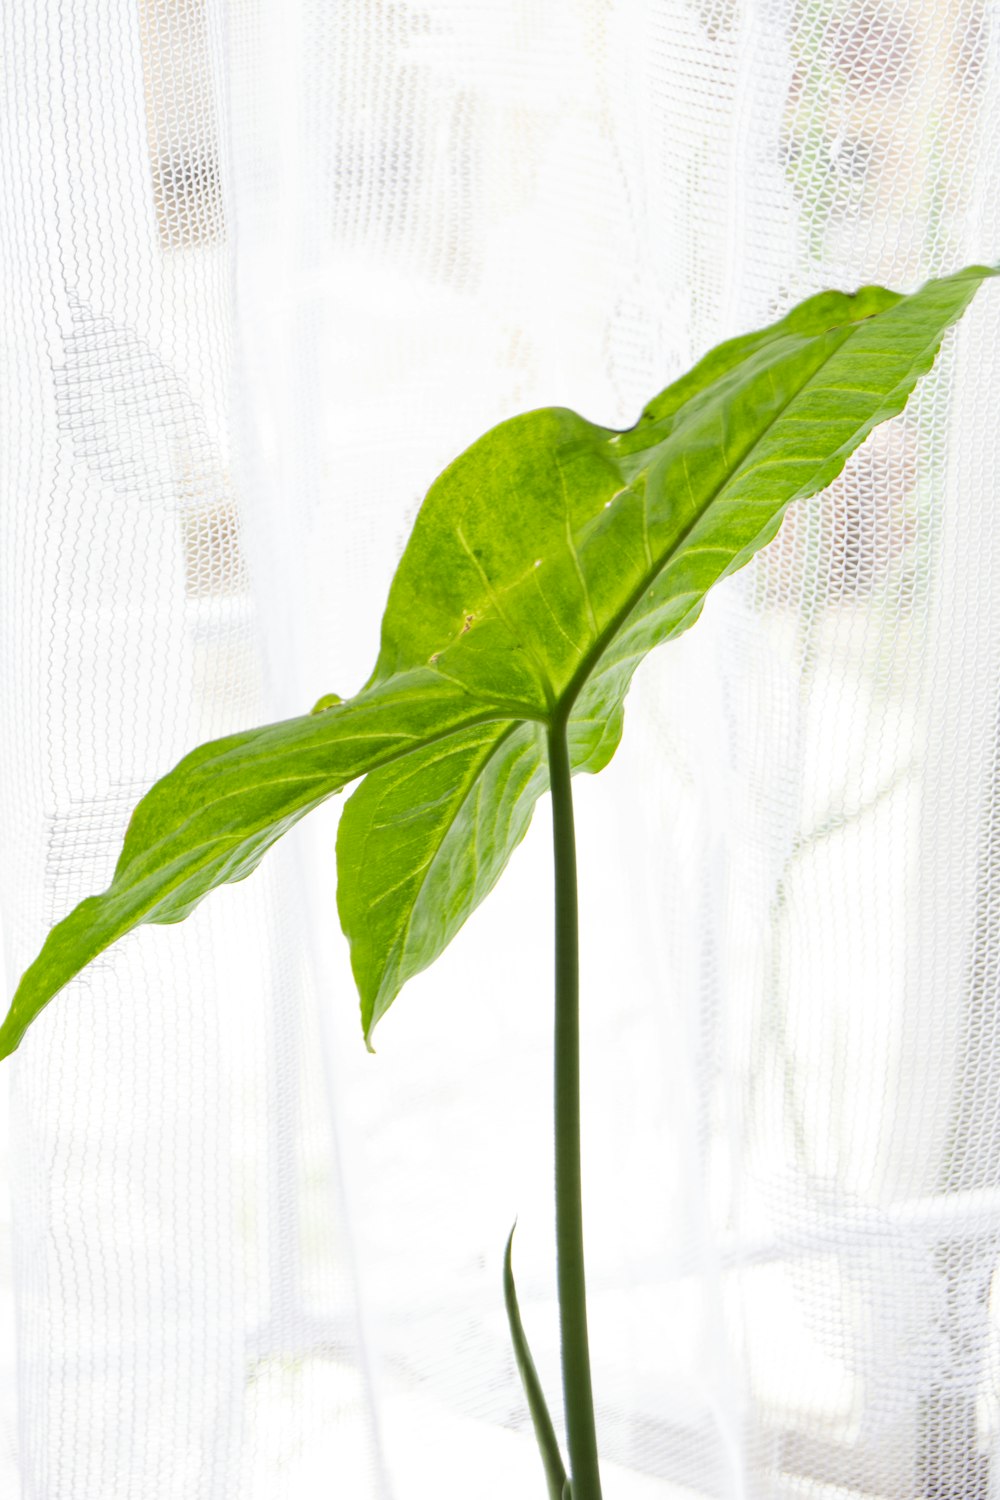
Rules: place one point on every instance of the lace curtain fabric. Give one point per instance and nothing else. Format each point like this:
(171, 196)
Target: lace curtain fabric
(265, 270)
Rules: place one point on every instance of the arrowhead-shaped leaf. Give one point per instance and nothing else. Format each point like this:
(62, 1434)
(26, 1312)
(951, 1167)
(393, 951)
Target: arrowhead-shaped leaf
(544, 564)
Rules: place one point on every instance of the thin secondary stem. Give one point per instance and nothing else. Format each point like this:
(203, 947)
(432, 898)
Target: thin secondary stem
(581, 1435)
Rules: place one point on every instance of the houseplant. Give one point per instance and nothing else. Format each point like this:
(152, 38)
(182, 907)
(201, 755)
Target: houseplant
(545, 562)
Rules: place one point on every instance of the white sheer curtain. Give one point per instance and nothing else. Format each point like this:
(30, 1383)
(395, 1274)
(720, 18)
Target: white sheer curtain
(265, 269)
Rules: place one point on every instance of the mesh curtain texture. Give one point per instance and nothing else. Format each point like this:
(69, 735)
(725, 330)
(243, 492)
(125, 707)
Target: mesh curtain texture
(265, 269)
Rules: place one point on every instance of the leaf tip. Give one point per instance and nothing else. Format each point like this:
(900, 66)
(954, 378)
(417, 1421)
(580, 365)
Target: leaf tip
(508, 1253)
(11, 1033)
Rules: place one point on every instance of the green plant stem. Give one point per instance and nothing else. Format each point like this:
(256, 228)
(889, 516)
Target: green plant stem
(581, 1435)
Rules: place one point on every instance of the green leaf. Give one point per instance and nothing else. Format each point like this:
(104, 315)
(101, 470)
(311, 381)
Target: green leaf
(428, 839)
(215, 815)
(545, 1433)
(544, 564)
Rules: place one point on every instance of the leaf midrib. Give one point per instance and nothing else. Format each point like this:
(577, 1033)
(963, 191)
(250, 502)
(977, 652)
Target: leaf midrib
(402, 936)
(583, 672)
